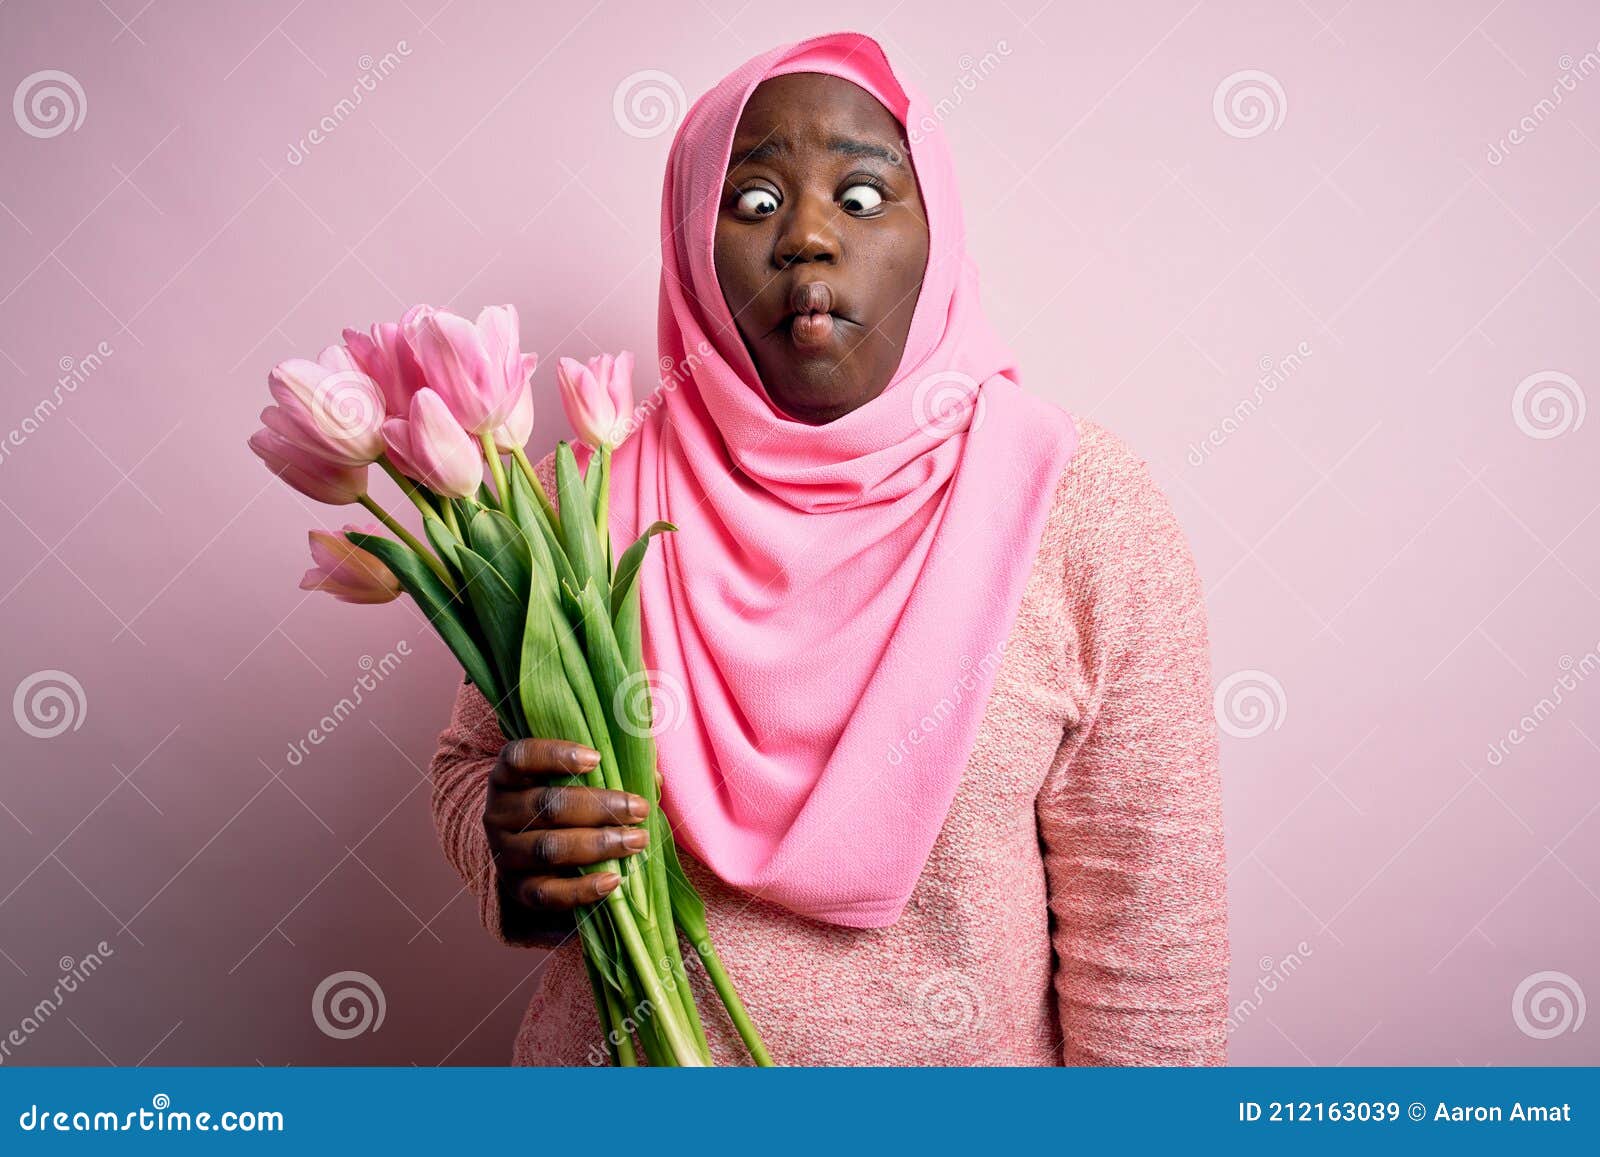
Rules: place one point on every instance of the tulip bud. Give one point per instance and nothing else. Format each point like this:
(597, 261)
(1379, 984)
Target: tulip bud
(346, 571)
(598, 397)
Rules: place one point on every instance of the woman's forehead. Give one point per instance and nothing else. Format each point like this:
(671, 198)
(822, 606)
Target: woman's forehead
(811, 105)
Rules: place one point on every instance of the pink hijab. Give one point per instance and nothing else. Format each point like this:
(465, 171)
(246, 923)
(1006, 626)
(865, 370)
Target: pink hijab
(825, 626)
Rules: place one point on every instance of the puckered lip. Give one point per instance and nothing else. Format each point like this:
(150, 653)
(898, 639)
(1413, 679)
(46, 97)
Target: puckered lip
(813, 295)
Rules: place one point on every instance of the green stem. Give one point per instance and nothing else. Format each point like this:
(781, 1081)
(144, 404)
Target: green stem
(538, 488)
(686, 1052)
(410, 540)
(497, 469)
(735, 1006)
(411, 490)
(601, 522)
(601, 1006)
(626, 1057)
(450, 520)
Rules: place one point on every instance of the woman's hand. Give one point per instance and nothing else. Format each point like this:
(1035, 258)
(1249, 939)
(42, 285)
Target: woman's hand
(541, 833)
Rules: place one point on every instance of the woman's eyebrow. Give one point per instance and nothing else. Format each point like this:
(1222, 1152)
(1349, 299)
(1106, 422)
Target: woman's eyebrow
(849, 146)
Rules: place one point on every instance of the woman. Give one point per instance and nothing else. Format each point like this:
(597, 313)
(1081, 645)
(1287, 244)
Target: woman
(934, 688)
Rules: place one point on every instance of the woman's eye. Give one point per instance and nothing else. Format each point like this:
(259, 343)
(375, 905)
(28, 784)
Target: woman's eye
(757, 203)
(861, 199)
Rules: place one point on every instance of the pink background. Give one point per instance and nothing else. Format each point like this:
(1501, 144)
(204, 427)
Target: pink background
(1394, 561)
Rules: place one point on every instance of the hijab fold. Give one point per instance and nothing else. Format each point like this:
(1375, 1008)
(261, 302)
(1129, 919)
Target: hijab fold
(824, 627)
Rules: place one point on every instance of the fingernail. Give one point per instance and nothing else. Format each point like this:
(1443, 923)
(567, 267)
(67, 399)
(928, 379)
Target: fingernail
(585, 757)
(635, 839)
(638, 807)
(608, 882)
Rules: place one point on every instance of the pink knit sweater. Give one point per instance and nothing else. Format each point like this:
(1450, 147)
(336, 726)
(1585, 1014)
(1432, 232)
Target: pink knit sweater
(1073, 909)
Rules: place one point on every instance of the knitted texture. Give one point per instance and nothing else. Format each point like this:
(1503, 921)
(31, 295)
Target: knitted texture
(1073, 909)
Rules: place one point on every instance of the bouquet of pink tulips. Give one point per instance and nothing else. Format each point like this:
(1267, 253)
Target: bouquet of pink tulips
(542, 615)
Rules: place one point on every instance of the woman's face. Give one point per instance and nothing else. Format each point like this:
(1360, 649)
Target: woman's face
(821, 243)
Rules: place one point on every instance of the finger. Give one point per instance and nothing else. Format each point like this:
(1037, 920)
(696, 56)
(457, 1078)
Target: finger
(568, 847)
(525, 761)
(561, 893)
(569, 806)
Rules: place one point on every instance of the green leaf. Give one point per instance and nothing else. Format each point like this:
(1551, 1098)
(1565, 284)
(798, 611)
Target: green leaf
(502, 545)
(578, 533)
(548, 702)
(630, 562)
(549, 555)
(582, 684)
(500, 613)
(612, 682)
(443, 541)
(446, 612)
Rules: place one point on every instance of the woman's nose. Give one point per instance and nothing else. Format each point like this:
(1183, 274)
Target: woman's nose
(808, 234)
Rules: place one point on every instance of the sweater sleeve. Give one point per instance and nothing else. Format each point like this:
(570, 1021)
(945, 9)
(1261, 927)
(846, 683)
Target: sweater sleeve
(466, 752)
(1130, 814)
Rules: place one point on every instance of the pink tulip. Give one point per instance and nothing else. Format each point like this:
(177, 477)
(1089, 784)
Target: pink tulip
(478, 368)
(514, 432)
(328, 408)
(346, 571)
(313, 476)
(386, 357)
(430, 446)
(598, 397)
